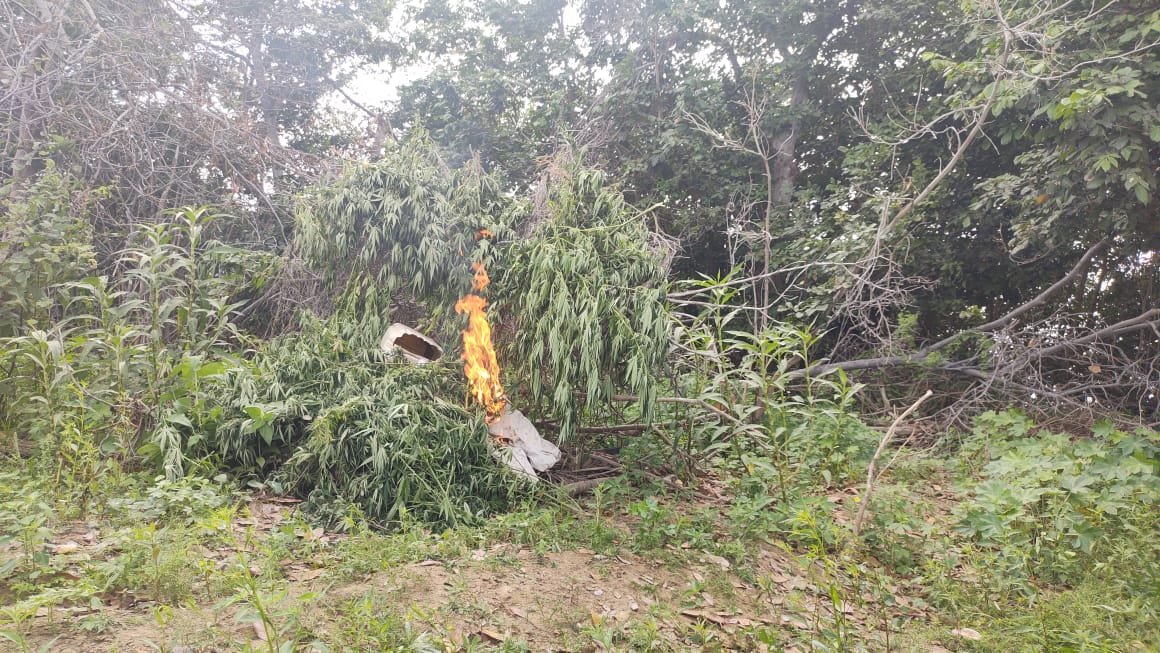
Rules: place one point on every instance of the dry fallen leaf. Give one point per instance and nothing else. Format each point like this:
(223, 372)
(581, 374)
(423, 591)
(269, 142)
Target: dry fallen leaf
(796, 623)
(301, 575)
(492, 635)
(66, 548)
(707, 616)
(716, 560)
(967, 633)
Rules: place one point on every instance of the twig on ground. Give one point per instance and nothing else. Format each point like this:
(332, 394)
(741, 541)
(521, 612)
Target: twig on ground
(576, 488)
(683, 400)
(877, 454)
(612, 428)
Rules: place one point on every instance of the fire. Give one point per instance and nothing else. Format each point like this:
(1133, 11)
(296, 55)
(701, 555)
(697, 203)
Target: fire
(480, 364)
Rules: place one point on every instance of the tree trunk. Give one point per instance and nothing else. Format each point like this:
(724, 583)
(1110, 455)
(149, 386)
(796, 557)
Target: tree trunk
(785, 168)
(782, 180)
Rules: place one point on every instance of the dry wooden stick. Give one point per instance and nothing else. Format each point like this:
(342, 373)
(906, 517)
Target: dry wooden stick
(576, 488)
(877, 454)
(682, 400)
(613, 428)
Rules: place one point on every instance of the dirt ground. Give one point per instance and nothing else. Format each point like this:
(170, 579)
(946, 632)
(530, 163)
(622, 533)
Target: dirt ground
(502, 593)
(675, 598)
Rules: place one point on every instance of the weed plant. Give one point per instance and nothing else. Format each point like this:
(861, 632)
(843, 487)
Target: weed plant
(313, 417)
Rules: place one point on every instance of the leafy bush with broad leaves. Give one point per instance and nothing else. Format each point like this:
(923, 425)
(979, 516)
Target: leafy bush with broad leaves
(1052, 504)
(803, 429)
(343, 426)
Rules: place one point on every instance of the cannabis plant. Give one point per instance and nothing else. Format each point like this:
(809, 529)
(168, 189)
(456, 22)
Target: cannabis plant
(344, 426)
(403, 228)
(579, 278)
(585, 290)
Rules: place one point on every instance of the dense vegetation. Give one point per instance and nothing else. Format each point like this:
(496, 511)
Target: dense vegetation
(778, 266)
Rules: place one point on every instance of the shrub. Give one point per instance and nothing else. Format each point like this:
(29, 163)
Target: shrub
(1051, 504)
(126, 356)
(45, 241)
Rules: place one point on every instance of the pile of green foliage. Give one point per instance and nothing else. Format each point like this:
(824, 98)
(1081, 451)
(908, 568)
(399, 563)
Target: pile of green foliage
(402, 228)
(579, 288)
(349, 428)
(150, 367)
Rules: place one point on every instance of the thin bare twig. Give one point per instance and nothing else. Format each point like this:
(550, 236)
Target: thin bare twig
(870, 473)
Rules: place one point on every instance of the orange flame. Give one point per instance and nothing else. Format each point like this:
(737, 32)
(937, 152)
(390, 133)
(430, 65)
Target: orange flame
(480, 365)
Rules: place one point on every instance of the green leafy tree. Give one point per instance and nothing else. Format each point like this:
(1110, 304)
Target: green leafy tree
(170, 104)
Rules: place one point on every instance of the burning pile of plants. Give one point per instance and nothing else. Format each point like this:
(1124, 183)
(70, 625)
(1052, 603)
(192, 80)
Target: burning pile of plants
(349, 429)
(325, 414)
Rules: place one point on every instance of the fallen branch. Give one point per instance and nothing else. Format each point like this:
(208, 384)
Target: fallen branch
(612, 428)
(1041, 299)
(917, 357)
(682, 400)
(576, 488)
(877, 454)
(1146, 320)
(902, 430)
(675, 400)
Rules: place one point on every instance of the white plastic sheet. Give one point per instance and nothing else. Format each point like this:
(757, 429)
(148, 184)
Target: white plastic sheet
(523, 449)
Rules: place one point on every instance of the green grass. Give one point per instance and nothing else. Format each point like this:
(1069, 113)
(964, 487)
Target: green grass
(1095, 615)
(922, 573)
